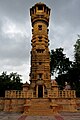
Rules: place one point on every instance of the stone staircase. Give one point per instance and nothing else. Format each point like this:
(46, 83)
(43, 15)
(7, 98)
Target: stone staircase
(40, 107)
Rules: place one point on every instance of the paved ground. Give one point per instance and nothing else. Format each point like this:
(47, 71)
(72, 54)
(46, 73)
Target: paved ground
(18, 116)
(8, 116)
(70, 116)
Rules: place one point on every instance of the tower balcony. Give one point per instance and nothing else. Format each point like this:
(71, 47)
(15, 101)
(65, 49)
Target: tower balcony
(40, 12)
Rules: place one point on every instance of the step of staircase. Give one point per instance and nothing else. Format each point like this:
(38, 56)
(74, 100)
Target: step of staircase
(40, 107)
(41, 112)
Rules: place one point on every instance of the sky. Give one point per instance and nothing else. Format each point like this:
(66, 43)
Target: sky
(15, 32)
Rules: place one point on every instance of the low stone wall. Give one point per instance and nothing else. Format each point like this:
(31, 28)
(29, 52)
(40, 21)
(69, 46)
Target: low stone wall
(12, 104)
(78, 103)
(17, 104)
(51, 94)
(2, 100)
(62, 94)
(18, 94)
(67, 105)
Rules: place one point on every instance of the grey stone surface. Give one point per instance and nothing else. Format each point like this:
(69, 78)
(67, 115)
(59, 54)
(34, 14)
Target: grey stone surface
(18, 116)
(9, 116)
(70, 116)
(40, 118)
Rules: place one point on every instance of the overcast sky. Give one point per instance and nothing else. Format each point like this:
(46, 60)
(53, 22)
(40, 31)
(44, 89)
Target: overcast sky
(15, 31)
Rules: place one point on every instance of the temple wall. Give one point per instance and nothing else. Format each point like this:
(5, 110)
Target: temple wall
(2, 100)
(65, 100)
(78, 103)
(12, 104)
(67, 105)
(17, 104)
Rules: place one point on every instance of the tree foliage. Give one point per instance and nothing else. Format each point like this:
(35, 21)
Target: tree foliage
(60, 66)
(67, 71)
(59, 62)
(77, 52)
(9, 82)
(76, 66)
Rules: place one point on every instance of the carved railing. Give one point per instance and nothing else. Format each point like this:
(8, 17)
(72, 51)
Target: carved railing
(18, 94)
(62, 94)
(50, 94)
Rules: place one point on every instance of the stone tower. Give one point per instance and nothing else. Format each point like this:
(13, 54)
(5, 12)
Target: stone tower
(42, 96)
(40, 57)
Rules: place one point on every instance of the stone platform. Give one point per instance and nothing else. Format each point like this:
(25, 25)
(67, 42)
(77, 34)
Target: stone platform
(19, 116)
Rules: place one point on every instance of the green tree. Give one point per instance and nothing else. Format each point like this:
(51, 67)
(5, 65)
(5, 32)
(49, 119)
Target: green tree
(59, 63)
(60, 66)
(76, 66)
(77, 52)
(67, 71)
(9, 82)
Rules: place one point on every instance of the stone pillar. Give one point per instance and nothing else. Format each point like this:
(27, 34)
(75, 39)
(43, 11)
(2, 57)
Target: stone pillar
(37, 91)
(43, 91)
(27, 106)
(7, 106)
